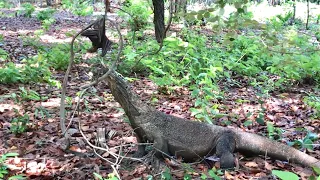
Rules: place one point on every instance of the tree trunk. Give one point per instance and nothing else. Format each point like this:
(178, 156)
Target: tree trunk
(308, 14)
(107, 3)
(158, 19)
(49, 3)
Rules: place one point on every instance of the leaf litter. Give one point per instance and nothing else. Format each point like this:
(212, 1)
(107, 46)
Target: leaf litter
(40, 152)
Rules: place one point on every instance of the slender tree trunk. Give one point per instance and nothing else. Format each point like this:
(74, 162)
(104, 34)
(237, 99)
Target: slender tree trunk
(158, 19)
(108, 5)
(293, 19)
(49, 3)
(308, 14)
(294, 10)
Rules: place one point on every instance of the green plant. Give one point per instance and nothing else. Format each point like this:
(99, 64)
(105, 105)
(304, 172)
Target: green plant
(314, 102)
(285, 175)
(166, 175)
(78, 7)
(286, 17)
(46, 24)
(36, 69)
(41, 112)
(110, 176)
(316, 171)
(273, 133)
(10, 74)
(274, 58)
(28, 9)
(17, 177)
(139, 12)
(4, 169)
(182, 63)
(45, 14)
(34, 42)
(29, 95)
(5, 4)
(3, 55)
(46, 18)
(58, 57)
(19, 124)
(215, 174)
(39, 32)
(306, 142)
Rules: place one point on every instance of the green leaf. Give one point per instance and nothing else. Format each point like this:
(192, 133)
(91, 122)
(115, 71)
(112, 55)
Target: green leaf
(210, 9)
(221, 12)
(316, 170)
(206, 15)
(166, 175)
(203, 176)
(285, 175)
(270, 129)
(197, 103)
(195, 111)
(312, 136)
(308, 144)
(199, 16)
(187, 177)
(193, 13)
(260, 119)
(202, 11)
(195, 92)
(17, 177)
(98, 176)
(213, 19)
(247, 123)
(11, 154)
(213, 175)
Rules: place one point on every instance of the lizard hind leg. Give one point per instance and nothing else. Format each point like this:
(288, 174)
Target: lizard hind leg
(225, 147)
(161, 148)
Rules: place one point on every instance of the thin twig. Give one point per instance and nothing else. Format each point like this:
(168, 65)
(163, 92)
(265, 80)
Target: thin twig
(65, 82)
(75, 109)
(104, 149)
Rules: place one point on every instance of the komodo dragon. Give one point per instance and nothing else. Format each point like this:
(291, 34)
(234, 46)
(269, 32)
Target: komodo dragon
(194, 140)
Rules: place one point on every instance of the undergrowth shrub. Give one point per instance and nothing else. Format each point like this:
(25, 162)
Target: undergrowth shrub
(139, 11)
(3, 54)
(45, 14)
(33, 70)
(78, 7)
(5, 4)
(58, 57)
(183, 61)
(46, 24)
(27, 9)
(10, 74)
(247, 56)
(273, 58)
(313, 101)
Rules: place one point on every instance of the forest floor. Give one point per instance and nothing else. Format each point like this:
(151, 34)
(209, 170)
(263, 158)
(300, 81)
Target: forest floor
(40, 150)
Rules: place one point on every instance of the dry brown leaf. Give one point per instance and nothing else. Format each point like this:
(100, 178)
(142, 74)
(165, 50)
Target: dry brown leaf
(251, 164)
